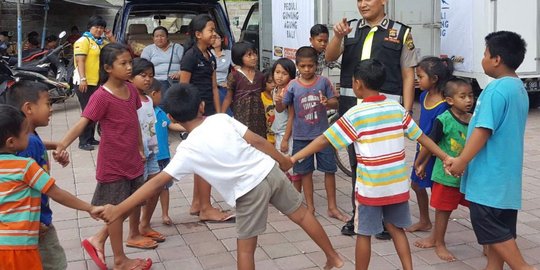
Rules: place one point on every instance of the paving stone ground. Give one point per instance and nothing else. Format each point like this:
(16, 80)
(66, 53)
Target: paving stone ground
(194, 245)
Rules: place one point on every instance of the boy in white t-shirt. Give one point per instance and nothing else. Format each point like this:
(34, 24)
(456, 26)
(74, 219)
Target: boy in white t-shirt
(240, 165)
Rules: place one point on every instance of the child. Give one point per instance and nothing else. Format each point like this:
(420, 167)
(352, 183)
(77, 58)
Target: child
(283, 71)
(240, 165)
(377, 127)
(198, 67)
(319, 40)
(120, 166)
(142, 76)
(492, 182)
(432, 73)
(311, 95)
(163, 124)
(245, 86)
(23, 181)
(32, 98)
(268, 103)
(449, 132)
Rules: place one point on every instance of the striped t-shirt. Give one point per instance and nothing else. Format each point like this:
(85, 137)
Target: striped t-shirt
(377, 127)
(22, 181)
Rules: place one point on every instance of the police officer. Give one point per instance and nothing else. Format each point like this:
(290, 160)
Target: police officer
(377, 37)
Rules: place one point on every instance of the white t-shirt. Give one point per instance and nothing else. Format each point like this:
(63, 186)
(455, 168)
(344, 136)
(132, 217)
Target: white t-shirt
(147, 121)
(217, 151)
(280, 118)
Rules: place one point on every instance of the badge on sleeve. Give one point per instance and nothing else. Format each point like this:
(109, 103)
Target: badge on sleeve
(409, 42)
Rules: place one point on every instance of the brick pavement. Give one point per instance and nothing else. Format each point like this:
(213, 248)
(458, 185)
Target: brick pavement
(194, 245)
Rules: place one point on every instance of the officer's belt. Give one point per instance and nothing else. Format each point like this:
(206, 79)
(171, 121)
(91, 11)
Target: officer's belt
(348, 92)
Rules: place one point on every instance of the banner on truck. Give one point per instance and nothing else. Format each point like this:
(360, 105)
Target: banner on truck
(456, 33)
(292, 20)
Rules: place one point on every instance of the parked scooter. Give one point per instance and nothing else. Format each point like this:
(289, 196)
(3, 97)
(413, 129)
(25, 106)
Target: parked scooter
(9, 76)
(50, 64)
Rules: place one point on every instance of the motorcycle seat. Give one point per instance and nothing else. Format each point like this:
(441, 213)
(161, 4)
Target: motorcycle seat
(41, 70)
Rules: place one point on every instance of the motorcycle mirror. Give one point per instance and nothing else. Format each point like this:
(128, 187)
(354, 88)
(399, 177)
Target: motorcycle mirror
(62, 34)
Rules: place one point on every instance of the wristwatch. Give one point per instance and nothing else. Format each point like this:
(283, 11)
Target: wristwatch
(83, 79)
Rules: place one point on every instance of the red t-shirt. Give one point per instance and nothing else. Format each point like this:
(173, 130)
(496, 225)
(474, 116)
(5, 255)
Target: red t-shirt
(118, 156)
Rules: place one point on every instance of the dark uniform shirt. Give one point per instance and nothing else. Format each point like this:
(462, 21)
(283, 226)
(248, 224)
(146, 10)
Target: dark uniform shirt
(201, 70)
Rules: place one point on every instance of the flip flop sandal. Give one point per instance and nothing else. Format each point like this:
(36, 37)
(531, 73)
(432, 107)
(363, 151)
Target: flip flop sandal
(228, 219)
(93, 253)
(142, 244)
(156, 236)
(145, 264)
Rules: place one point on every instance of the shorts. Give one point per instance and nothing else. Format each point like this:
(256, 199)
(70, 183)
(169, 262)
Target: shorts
(326, 161)
(252, 208)
(162, 163)
(368, 219)
(116, 192)
(54, 256)
(151, 166)
(492, 225)
(446, 198)
(20, 259)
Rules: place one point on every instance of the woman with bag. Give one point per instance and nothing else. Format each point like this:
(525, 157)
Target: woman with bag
(166, 57)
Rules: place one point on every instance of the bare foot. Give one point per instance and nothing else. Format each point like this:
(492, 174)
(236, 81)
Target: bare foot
(419, 227)
(213, 214)
(166, 220)
(134, 264)
(332, 262)
(100, 247)
(427, 242)
(335, 213)
(444, 253)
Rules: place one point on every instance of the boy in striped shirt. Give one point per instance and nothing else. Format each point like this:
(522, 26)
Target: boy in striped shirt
(22, 181)
(377, 127)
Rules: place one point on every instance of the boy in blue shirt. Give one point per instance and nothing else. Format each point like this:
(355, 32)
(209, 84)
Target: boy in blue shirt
(311, 95)
(163, 124)
(32, 98)
(492, 182)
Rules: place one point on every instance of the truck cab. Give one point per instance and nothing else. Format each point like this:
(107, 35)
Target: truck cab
(136, 20)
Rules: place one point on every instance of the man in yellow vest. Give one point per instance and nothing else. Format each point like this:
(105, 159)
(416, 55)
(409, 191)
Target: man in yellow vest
(376, 37)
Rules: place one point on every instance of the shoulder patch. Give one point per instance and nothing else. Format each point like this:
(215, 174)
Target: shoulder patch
(402, 24)
(409, 42)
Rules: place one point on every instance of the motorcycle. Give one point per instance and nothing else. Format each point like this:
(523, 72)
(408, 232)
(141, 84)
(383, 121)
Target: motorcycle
(50, 64)
(9, 76)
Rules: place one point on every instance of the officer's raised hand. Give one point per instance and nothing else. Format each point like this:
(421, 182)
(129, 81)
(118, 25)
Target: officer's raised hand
(342, 28)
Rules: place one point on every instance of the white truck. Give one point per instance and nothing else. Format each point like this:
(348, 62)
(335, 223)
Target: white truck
(453, 28)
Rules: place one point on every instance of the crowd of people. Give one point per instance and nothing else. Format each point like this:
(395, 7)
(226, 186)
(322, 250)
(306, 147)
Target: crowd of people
(273, 134)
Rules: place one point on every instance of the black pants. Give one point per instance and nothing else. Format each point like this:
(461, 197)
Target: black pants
(345, 103)
(88, 133)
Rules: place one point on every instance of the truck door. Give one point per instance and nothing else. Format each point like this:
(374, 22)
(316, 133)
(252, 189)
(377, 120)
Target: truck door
(424, 17)
(250, 28)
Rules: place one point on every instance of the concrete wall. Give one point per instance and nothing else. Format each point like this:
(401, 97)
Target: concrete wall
(238, 12)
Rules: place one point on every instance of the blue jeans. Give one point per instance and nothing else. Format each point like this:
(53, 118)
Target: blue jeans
(222, 93)
(165, 85)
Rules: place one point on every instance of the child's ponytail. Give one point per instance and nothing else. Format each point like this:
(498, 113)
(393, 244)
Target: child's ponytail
(441, 69)
(197, 24)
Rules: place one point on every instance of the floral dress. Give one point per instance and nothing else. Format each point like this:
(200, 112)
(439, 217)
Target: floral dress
(247, 105)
